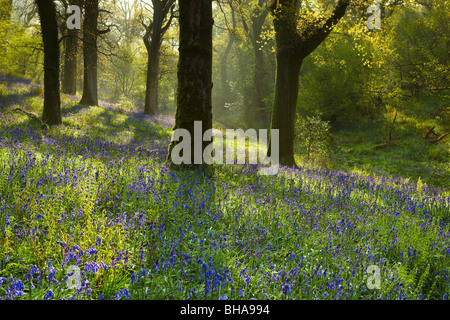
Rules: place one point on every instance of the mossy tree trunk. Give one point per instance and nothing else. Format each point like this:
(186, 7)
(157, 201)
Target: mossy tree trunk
(52, 101)
(151, 93)
(69, 78)
(153, 39)
(90, 32)
(293, 47)
(286, 94)
(194, 71)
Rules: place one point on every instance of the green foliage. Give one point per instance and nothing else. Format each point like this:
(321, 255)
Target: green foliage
(314, 138)
(20, 45)
(334, 81)
(419, 39)
(357, 74)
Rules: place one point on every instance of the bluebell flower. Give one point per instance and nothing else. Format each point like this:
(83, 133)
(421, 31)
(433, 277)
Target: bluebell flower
(91, 266)
(103, 265)
(247, 279)
(34, 269)
(286, 289)
(49, 294)
(62, 244)
(123, 293)
(17, 285)
(51, 275)
(92, 251)
(98, 242)
(241, 273)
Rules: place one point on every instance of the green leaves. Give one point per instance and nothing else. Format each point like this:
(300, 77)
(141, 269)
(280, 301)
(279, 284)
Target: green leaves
(313, 135)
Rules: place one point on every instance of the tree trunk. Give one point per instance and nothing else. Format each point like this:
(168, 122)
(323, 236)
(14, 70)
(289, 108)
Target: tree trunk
(151, 94)
(153, 39)
(292, 48)
(255, 114)
(90, 96)
(69, 80)
(225, 90)
(285, 104)
(52, 102)
(194, 70)
(153, 47)
(69, 76)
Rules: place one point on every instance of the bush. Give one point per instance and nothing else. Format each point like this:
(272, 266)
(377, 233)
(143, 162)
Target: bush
(314, 138)
(126, 103)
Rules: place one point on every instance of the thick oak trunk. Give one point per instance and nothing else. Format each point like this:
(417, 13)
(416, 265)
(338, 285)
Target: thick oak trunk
(285, 105)
(52, 102)
(194, 70)
(292, 48)
(90, 96)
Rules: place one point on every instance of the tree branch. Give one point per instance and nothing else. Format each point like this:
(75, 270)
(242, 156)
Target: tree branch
(317, 36)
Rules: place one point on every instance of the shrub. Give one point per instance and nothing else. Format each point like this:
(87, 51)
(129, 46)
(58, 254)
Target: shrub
(314, 137)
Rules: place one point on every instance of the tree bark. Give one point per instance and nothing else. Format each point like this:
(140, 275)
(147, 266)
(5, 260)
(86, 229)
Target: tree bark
(292, 48)
(153, 39)
(285, 105)
(151, 94)
(90, 96)
(52, 101)
(69, 80)
(256, 112)
(194, 71)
